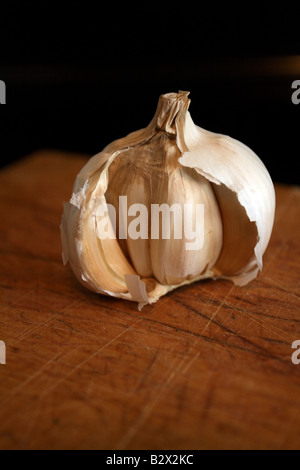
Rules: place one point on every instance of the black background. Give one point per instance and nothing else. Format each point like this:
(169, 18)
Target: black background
(80, 75)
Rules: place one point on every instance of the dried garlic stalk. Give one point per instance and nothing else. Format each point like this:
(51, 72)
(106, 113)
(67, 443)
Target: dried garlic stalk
(166, 206)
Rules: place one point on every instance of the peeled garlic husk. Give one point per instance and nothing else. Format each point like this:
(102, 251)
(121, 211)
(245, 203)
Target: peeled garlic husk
(173, 162)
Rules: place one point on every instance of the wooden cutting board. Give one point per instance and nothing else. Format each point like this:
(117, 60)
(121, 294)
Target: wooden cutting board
(208, 366)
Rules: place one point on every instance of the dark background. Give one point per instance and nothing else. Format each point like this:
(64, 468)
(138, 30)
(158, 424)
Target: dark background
(80, 75)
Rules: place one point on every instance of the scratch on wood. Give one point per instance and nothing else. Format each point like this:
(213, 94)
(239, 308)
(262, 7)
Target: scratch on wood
(281, 287)
(91, 356)
(217, 310)
(132, 431)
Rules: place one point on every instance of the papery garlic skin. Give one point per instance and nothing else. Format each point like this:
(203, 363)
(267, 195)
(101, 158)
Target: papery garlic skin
(238, 173)
(172, 161)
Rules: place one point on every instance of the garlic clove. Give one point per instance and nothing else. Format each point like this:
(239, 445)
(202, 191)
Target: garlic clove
(129, 179)
(177, 260)
(96, 262)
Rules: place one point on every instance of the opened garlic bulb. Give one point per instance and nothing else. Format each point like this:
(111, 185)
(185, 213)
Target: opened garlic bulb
(166, 206)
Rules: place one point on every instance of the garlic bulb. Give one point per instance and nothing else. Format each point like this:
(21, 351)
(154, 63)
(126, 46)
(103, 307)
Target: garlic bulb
(166, 206)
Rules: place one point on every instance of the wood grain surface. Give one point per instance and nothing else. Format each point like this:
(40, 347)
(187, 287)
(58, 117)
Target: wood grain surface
(207, 367)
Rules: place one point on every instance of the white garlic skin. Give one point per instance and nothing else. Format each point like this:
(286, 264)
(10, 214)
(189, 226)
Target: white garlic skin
(170, 161)
(241, 179)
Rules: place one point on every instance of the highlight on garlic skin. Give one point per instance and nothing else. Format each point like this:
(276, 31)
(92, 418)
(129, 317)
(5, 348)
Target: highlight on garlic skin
(166, 206)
